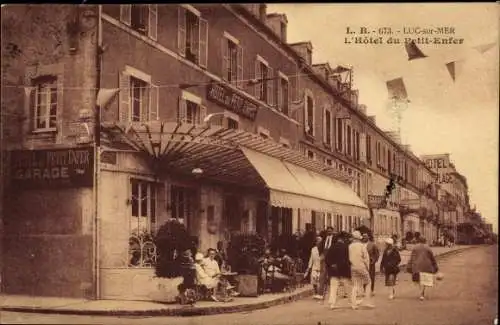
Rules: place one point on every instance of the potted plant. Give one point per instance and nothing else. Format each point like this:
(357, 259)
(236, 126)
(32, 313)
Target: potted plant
(244, 251)
(171, 240)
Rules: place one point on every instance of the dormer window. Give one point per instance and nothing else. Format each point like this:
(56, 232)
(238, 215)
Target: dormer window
(309, 56)
(283, 31)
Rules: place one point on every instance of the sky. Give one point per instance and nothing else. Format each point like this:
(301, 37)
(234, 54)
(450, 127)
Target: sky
(443, 116)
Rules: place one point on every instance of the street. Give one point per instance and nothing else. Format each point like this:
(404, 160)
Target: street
(467, 295)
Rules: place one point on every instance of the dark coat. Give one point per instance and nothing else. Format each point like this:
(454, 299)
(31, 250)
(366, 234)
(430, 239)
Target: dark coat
(337, 260)
(390, 261)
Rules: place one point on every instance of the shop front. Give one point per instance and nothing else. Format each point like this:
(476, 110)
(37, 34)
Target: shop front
(48, 223)
(216, 181)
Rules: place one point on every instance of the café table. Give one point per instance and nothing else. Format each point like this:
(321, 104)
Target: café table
(225, 276)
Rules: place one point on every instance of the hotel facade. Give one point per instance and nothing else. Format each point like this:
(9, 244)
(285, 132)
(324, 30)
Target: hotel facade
(207, 115)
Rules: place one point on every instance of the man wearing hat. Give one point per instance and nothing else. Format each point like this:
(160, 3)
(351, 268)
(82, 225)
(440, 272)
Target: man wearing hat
(360, 264)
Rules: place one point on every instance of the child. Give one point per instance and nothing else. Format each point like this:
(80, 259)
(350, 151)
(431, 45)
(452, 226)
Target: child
(390, 266)
(314, 267)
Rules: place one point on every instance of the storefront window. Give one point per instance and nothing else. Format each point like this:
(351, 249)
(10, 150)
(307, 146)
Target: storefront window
(142, 224)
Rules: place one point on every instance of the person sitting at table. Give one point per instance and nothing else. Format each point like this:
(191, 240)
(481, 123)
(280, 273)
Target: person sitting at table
(210, 264)
(210, 283)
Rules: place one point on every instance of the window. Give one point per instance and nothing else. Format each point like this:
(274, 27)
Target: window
(327, 128)
(142, 18)
(182, 204)
(138, 97)
(283, 94)
(349, 140)
(309, 116)
(340, 140)
(232, 66)
(368, 148)
(309, 56)
(328, 162)
(310, 154)
(378, 153)
(45, 103)
(389, 161)
(142, 223)
(232, 123)
(192, 36)
(264, 86)
(356, 145)
(191, 110)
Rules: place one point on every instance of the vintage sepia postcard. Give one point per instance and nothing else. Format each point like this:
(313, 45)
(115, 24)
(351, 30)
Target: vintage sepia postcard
(252, 163)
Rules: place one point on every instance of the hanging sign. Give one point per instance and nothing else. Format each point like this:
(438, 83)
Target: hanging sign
(229, 98)
(52, 168)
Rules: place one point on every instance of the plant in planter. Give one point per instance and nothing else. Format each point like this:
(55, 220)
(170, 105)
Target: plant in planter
(171, 240)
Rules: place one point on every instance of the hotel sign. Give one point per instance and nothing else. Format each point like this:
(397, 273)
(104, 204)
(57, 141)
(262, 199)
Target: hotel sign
(52, 168)
(229, 98)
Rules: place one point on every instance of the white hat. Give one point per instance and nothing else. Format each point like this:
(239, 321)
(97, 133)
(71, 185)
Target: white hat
(198, 257)
(356, 235)
(389, 241)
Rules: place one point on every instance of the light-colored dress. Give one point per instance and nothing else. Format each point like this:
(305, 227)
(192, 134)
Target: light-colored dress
(204, 279)
(314, 265)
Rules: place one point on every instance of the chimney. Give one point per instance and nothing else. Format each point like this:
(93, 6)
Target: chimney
(278, 23)
(354, 97)
(257, 9)
(304, 49)
(372, 119)
(362, 108)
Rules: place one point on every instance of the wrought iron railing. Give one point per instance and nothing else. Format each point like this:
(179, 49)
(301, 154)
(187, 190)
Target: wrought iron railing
(142, 250)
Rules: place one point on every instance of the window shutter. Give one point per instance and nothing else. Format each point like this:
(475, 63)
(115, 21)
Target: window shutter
(306, 116)
(181, 31)
(154, 114)
(239, 70)
(126, 14)
(29, 106)
(258, 77)
(225, 57)
(124, 110)
(270, 87)
(182, 111)
(324, 125)
(203, 43)
(279, 92)
(362, 147)
(153, 21)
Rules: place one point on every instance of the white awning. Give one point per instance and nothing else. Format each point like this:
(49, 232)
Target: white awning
(296, 187)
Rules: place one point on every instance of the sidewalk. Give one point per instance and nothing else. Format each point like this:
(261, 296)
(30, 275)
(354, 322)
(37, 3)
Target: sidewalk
(49, 305)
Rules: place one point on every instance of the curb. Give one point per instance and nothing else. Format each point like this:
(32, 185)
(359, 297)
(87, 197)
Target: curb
(190, 310)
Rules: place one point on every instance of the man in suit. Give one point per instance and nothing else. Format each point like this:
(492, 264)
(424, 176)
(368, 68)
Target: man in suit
(338, 266)
(328, 241)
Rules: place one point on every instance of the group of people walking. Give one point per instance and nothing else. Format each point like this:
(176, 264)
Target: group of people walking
(342, 260)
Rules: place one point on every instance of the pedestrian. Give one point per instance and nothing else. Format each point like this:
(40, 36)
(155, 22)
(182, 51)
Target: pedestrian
(360, 264)
(314, 268)
(338, 266)
(422, 260)
(327, 243)
(390, 266)
(374, 255)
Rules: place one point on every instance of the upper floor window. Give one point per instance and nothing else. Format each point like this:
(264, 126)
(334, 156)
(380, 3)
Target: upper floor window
(138, 97)
(309, 116)
(327, 127)
(389, 161)
(192, 35)
(45, 103)
(191, 110)
(349, 140)
(340, 134)
(283, 94)
(369, 148)
(232, 63)
(142, 18)
(378, 153)
(310, 154)
(356, 145)
(264, 77)
(328, 162)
